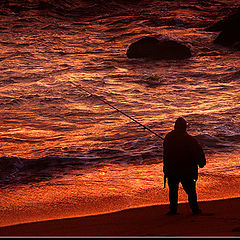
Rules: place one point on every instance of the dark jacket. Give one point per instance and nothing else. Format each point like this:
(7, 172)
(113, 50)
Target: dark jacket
(182, 155)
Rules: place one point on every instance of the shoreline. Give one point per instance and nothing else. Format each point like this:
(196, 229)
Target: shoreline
(220, 218)
(51, 202)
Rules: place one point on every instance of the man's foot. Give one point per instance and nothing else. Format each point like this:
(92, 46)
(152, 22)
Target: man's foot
(197, 212)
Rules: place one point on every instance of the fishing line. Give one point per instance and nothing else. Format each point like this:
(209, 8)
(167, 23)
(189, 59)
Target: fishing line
(110, 105)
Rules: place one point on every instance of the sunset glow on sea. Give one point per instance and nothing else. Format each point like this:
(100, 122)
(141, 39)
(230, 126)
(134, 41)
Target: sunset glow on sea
(66, 153)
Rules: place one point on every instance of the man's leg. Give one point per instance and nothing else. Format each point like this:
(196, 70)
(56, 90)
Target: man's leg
(189, 185)
(173, 183)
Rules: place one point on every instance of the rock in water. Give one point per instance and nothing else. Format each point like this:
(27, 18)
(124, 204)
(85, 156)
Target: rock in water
(229, 35)
(153, 48)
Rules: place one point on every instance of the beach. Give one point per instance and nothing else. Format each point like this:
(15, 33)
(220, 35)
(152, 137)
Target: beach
(220, 218)
(64, 211)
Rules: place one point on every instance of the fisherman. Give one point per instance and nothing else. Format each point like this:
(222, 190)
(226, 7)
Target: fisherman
(182, 154)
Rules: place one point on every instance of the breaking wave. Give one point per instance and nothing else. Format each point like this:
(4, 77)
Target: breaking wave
(17, 171)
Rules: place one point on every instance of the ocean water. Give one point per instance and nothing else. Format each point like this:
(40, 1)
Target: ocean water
(52, 132)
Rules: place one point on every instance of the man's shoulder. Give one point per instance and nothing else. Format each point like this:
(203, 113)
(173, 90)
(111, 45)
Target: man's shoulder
(183, 135)
(169, 134)
(193, 141)
(191, 137)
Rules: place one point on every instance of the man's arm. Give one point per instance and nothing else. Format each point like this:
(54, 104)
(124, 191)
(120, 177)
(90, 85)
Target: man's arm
(199, 154)
(165, 161)
(165, 155)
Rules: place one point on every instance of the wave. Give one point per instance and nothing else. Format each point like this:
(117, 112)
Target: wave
(17, 171)
(218, 143)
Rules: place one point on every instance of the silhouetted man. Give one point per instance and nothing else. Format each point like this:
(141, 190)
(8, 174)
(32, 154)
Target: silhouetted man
(182, 155)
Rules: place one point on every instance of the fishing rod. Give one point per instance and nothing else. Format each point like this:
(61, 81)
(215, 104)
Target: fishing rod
(125, 114)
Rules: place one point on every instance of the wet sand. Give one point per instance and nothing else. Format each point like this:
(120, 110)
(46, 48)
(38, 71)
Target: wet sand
(220, 218)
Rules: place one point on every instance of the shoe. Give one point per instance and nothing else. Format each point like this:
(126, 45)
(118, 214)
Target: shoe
(197, 212)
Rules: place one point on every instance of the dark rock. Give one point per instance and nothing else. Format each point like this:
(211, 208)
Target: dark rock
(229, 27)
(229, 38)
(153, 48)
(223, 24)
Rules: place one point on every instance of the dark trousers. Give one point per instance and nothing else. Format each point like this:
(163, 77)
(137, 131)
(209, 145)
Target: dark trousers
(189, 185)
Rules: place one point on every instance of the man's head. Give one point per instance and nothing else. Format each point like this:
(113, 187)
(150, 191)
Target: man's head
(180, 124)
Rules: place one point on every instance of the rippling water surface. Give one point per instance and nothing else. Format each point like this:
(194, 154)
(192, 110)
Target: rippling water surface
(51, 128)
